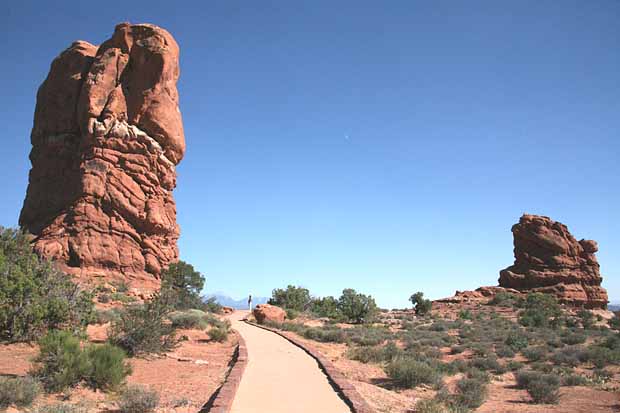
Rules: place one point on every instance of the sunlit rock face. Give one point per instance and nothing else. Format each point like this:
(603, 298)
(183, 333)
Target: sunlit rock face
(549, 259)
(106, 139)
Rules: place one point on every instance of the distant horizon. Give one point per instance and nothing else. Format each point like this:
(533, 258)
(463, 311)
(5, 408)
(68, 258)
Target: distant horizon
(383, 147)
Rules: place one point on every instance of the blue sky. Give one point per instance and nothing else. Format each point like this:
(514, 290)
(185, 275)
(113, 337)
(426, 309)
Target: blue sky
(385, 146)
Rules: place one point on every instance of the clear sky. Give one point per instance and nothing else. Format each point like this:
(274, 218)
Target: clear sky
(387, 146)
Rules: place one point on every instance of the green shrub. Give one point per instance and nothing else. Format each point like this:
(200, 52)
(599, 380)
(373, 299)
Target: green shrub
(325, 307)
(325, 335)
(218, 334)
(574, 338)
(291, 314)
(107, 366)
(106, 316)
(63, 408)
(356, 307)
(602, 375)
(465, 315)
(488, 363)
(586, 317)
(544, 389)
(189, 319)
(62, 363)
(504, 299)
(569, 356)
(541, 366)
(421, 305)
(540, 310)
(513, 365)
(430, 406)
(142, 329)
(574, 380)
(181, 286)
(375, 354)
(612, 342)
(18, 391)
(35, 297)
(458, 349)
(367, 336)
(211, 305)
(294, 298)
(504, 351)
(408, 372)
(138, 399)
(516, 340)
(470, 392)
(437, 406)
(524, 377)
(601, 356)
(536, 353)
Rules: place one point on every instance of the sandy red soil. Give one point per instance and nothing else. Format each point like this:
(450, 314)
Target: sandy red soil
(185, 378)
(372, 383)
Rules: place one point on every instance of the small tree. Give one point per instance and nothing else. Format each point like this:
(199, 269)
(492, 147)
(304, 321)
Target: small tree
(181, 286)
(420, 304)
(294, 298)
(325, 307)
(356, 307)
(144, 329)
(540, 310)
(34, 296)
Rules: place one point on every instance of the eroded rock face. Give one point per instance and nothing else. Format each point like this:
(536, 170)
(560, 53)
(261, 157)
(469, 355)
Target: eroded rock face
(107, 136)
(269, 313)
(549, 259)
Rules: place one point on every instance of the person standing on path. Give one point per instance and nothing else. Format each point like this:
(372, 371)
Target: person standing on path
(250, 302)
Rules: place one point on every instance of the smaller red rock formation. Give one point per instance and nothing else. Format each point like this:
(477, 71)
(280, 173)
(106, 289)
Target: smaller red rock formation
(550, 260)
(270, 313)
(227, 310)
(480, 295)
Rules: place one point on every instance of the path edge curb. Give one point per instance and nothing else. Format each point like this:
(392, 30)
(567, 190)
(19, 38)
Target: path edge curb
(222, 403)
(339, 382)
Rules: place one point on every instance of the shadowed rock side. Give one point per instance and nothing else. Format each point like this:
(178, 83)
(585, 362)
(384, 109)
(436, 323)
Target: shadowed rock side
(549, 259)
(106, 138)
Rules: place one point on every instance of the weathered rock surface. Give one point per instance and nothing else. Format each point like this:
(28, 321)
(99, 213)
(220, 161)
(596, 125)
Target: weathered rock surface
(270, 313)
(227, 310)
(549, 259)
(107, 136)
(479, 295)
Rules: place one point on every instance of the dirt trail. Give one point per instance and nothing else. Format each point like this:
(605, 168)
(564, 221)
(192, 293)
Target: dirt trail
(281, 377)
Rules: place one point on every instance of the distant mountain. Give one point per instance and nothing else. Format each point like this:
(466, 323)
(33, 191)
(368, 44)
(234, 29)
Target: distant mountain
(614, 307)
(241, 304)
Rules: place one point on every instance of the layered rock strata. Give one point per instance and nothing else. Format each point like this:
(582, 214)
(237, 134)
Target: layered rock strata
(106, 139)
(549, 259)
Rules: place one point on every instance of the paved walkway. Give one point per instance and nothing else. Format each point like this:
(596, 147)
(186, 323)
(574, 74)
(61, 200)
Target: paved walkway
(280, 377)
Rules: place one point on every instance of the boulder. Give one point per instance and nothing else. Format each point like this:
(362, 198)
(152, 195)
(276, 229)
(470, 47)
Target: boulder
(106, 139)
(548, 259)
(269, 313)
(227, 310)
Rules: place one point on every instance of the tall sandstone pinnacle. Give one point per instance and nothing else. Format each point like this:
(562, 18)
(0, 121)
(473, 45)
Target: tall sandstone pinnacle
(549, 259)
(107, 136)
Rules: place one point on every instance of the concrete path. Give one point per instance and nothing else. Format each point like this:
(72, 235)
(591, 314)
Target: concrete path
(280, 377)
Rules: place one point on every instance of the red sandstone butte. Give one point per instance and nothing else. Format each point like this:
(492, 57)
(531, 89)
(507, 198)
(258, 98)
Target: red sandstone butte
(107, 136)
(549, 259)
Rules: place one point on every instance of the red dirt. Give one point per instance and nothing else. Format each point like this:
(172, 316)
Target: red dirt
(184, 378)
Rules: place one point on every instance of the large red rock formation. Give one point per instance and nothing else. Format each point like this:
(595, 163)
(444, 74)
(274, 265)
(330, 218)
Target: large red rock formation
(107, 136)
(268, 313)
(549, 259)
